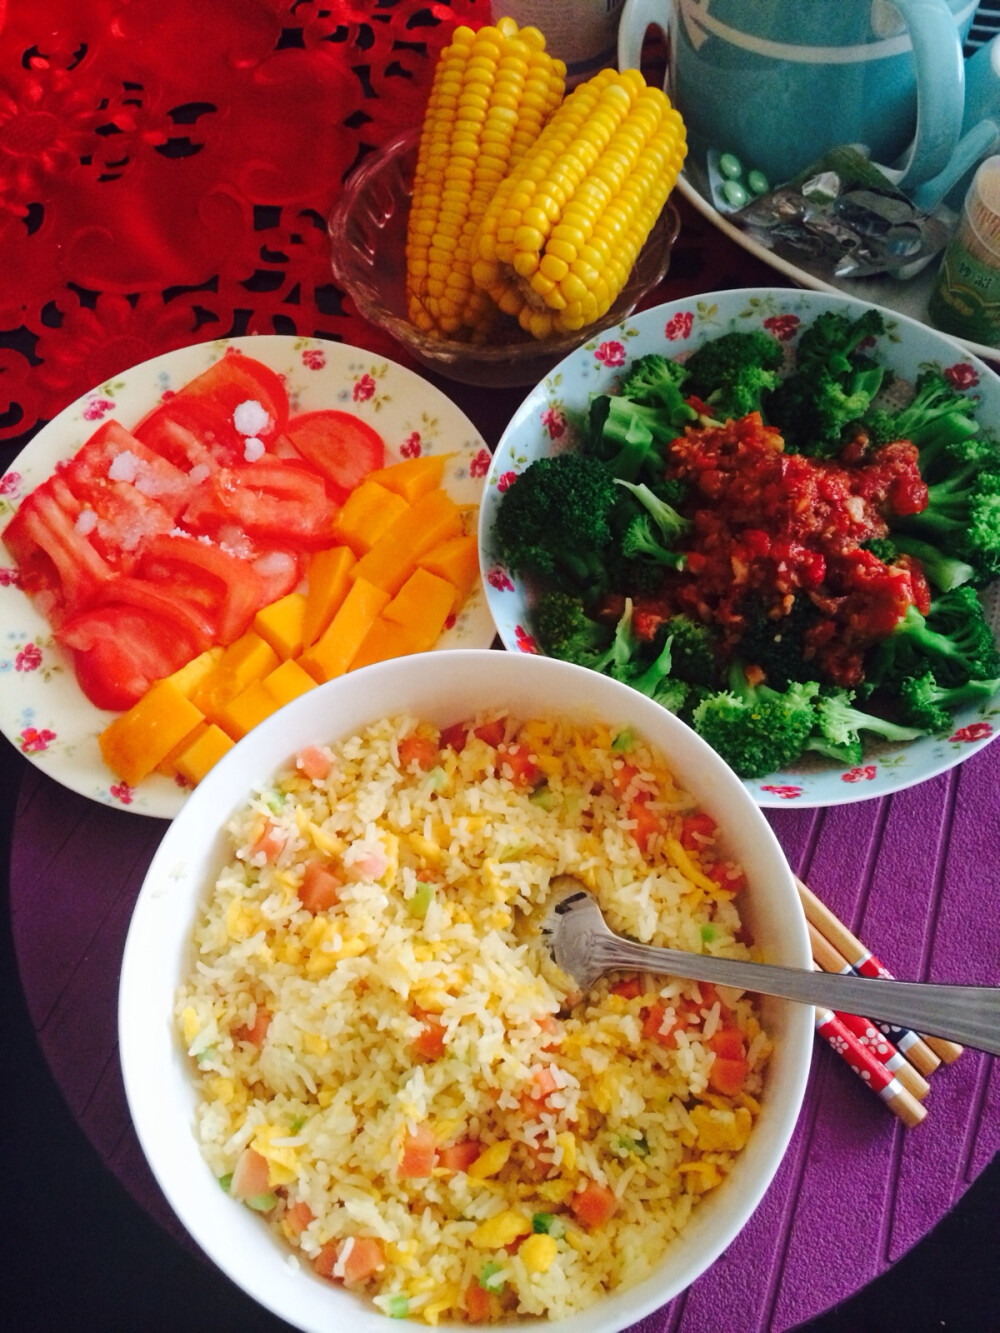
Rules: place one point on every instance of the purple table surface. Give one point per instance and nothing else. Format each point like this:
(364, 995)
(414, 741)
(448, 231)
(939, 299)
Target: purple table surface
(914, 875)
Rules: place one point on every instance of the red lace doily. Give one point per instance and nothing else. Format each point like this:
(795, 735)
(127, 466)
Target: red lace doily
(166, 171)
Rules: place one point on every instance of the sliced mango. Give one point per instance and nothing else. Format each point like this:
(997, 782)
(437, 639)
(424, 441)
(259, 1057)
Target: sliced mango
(328, 579)
(366, 513)
(413, 478)
(281, 624)
(250, 706)
(139, 739)
(422, 605)
(288, 681)
(385, 639)
(456, 560)
(246, 660)
(333, 652)
(431, 520)
(203, 753)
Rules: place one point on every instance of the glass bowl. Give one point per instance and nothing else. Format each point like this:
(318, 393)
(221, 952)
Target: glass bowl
(368, 247)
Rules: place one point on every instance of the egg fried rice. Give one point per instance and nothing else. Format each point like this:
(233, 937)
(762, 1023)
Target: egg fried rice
(393, 1071)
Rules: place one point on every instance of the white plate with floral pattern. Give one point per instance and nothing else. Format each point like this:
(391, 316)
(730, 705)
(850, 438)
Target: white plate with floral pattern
(544, 424)
(43, 711)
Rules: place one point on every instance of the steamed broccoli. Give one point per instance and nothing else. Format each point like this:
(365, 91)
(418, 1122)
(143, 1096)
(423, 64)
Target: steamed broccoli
(655, 381)
(777, 644)
(695, 658)
(565, 630)
(838, 724)
(962, 515)
(832, 385)
(555, 521)
(639, 541)
(954, 641)
(733, 373)
(936, 414)
(942, 570)
(926, 704)
(755, 729)
(627, 436)
(670, 523)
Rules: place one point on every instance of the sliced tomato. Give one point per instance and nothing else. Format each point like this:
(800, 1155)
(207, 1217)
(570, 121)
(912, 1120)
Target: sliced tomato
(339, 444)
(419, 1151)
(454, 737)
(646, 823)
(192, 432)
(136, 635)
(514, 761)
(279, 571)
(252, 1175)
(419, 750)
(282, 501)
(226, 588)
(58, 563)
(113, 457)
(459, 1156)
(256, 1031)
(237, 378)
(429, 1045)
(321, 885)
(492, 732)
(594, 1204)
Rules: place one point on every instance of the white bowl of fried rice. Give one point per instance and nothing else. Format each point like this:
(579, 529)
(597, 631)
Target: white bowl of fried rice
(359, 1079)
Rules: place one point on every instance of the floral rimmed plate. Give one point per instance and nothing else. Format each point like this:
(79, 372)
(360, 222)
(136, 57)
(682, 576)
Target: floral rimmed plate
(544, 424)
(42, 709)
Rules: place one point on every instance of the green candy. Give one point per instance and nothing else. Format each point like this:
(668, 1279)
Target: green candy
(731, 166)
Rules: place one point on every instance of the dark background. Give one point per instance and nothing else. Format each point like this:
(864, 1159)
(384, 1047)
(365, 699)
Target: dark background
(78, 1254)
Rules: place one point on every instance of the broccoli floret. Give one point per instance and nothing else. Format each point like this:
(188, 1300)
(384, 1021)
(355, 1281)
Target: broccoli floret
(645, 677)
(953, 640)
(838, 724)
(554, 521)
(670, 523)
(777, 644)
(735, 372)
(655, 381)
(565, 630)
(936, 415)
(831, 341)
(943, 571)
(832, 385)
(962, 515)
(926, 704)
(639, 542)
(626, 436)
(695, 659)
(756, 729)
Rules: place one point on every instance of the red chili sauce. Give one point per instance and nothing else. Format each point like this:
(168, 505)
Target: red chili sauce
(776, 524)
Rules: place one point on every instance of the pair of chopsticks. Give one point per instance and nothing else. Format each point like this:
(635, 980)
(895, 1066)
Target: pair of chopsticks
(893, 1061)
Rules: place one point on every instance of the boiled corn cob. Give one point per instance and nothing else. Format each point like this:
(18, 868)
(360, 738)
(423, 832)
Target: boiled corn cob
(493, 90)
(564, 228)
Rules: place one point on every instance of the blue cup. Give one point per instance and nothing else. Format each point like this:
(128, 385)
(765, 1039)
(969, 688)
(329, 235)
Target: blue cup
(782, 82)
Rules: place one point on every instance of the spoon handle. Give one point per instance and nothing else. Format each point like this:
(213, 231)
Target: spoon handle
(967, 1014)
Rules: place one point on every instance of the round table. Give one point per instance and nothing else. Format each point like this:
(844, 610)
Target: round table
(166, 180)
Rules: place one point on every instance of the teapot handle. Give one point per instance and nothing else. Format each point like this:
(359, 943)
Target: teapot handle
(940, 73)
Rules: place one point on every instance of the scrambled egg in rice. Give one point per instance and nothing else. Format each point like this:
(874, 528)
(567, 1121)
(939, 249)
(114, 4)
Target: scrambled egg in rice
(391, 1068)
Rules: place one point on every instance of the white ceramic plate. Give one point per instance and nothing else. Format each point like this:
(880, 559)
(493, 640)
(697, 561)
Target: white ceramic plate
(543, 424)
(905, 297)
(159, 950)
(42, 709)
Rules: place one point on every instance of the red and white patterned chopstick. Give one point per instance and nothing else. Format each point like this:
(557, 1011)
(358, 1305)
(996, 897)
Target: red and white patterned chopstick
(924, 1053)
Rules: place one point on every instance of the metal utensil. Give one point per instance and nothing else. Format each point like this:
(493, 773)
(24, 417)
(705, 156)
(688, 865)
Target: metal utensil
(585, 947)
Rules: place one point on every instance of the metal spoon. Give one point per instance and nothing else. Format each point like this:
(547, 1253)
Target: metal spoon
(585, 947)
